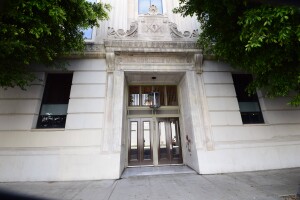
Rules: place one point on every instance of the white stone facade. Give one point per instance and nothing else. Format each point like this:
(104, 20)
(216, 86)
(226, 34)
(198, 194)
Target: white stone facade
(94, 143)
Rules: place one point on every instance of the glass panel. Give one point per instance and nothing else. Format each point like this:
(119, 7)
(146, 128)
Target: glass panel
(87, 34)
(51, 121)
(252, 118)
(134, 96)
(158, 4)
(145, 95)
(161, 90)
(175, 141)
(147, 143)
(133, 153)
(163, 153)
(172, 95)
(144, 6)
(54, 109)
(249, 107)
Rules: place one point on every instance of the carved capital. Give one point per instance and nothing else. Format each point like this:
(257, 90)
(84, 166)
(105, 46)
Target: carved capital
(198, 60)
(110, 58)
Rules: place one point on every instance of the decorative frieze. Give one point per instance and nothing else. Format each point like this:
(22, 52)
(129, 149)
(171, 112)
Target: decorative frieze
(94, 47)
(151, 44)
(154, 59)
(120, 33)
(175, 33)
(153, 26)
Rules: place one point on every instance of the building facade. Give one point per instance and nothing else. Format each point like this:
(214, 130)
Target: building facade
(102, 115)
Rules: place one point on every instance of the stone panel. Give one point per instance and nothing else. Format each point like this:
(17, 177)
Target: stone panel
(87, 65)
(222, 104)
(49, 138)
(24, 106)
(89, 77)
(16, 122)
(225, 118)
(86, 91)
(282, 117)
(215, 66)
(86, 105)
(32, 92)
(279, 103)
(84, 121)
(220, 90)
(255, 132)
(217, 77)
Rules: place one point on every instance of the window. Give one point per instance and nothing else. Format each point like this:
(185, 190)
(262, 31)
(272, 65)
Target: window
(88, 33)
(55, 101)
(144, 6)
(249, 105)
(138, 95)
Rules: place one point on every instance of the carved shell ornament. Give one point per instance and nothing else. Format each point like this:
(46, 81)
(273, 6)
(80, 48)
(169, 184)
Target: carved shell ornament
(153, 10)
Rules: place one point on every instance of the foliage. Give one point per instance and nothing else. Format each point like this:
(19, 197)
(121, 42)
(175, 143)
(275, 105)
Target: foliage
(39, 32)
(258, 38)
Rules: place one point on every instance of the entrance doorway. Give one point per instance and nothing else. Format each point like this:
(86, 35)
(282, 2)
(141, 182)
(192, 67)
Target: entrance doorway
(148, 147)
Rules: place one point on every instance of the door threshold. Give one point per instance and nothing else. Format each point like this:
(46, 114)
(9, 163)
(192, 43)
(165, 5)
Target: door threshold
(160, 165)
(156, 170)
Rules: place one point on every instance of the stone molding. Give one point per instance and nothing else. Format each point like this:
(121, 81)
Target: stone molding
(154, 59)
(110, 58)
(162, 45)
(198, 60)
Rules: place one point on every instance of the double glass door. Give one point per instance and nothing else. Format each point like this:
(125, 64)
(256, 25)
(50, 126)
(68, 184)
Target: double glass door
(149, 147)
(169, 150)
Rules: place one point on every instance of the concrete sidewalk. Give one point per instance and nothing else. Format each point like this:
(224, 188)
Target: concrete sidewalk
(262, 185)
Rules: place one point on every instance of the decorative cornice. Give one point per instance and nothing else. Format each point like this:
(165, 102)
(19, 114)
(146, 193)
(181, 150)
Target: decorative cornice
(151, 46)
(90, 47)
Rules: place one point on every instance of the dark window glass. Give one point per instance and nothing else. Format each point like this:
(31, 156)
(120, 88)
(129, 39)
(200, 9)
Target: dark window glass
(134, 96)
(146, 90)
(161, 90)
(172, 95)
(140, 95)
(55, 101)
(249, 105)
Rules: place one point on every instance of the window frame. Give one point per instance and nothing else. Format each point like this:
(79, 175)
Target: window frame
(248, 117)
(161, 3)
(55, 104)
(164, 94)
(93, 29)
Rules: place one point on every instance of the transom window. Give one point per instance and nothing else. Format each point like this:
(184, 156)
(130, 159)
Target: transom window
(249, 105)
(144, 6)
(139, 95)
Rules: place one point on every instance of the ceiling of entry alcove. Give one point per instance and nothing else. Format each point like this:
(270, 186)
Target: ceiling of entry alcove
(145, 78)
